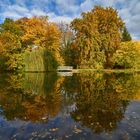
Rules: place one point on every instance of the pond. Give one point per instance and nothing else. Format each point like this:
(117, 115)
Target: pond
(82, 106)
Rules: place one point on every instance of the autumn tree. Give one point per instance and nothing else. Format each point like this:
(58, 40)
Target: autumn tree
(32, 97)
(128, 56)
(105, 96)
(38, 31)
(98, 37)
(10, 52)
(11, 46)
(126, 35)
(24, 34)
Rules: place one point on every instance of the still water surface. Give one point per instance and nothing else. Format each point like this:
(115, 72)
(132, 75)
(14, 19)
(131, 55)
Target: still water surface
(91, 106)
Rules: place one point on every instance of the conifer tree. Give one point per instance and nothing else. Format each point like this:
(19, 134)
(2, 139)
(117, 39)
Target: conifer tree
(126, 35)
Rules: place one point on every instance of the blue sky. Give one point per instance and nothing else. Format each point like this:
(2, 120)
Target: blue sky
(66, 10)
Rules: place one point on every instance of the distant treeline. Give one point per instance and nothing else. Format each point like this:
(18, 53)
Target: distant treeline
(99, 39)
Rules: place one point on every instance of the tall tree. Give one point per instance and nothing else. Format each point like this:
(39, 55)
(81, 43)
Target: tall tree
(67, 47)
(10, 52)
(39, 31)
(98, 36)
(20, 35)
(10, 46)
(66, 34)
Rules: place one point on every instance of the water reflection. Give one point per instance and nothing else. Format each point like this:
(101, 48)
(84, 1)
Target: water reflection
(34, 97)
(95, 101)
(103, 98)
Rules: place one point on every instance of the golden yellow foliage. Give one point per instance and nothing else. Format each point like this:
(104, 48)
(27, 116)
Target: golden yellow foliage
(97, 36)
(39, 31)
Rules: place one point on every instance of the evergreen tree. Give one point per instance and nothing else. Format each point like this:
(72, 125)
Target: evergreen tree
(126, 35)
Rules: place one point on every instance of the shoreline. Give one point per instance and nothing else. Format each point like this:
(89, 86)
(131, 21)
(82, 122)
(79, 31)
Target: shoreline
(107, 70)
(82, 71)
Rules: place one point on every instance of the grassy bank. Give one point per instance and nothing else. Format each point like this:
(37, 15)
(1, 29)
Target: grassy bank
(107, 70)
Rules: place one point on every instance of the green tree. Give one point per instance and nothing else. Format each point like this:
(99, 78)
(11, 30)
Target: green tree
(126, 35)
(10, 26)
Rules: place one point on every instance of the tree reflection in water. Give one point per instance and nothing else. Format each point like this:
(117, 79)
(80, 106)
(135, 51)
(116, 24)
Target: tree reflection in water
(99, 100)
(102, 99)
(34, 97)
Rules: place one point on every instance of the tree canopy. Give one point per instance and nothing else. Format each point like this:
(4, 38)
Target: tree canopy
(17, 36)
(92, 41)
(98, 36)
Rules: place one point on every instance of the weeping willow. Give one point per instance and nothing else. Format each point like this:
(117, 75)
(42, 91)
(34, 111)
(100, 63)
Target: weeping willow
(39, 60)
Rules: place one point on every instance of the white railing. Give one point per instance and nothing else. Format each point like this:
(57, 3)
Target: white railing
(65, 68)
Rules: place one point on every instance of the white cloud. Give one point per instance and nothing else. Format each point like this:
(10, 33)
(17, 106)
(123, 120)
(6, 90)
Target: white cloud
(54, 18)
(125, 13)
(136, 8)
(66, 10)
(109, 2)
(87, 5)
(130, 13)
(37, 12)
(67, 7)
(16, 11)
(9, 14)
